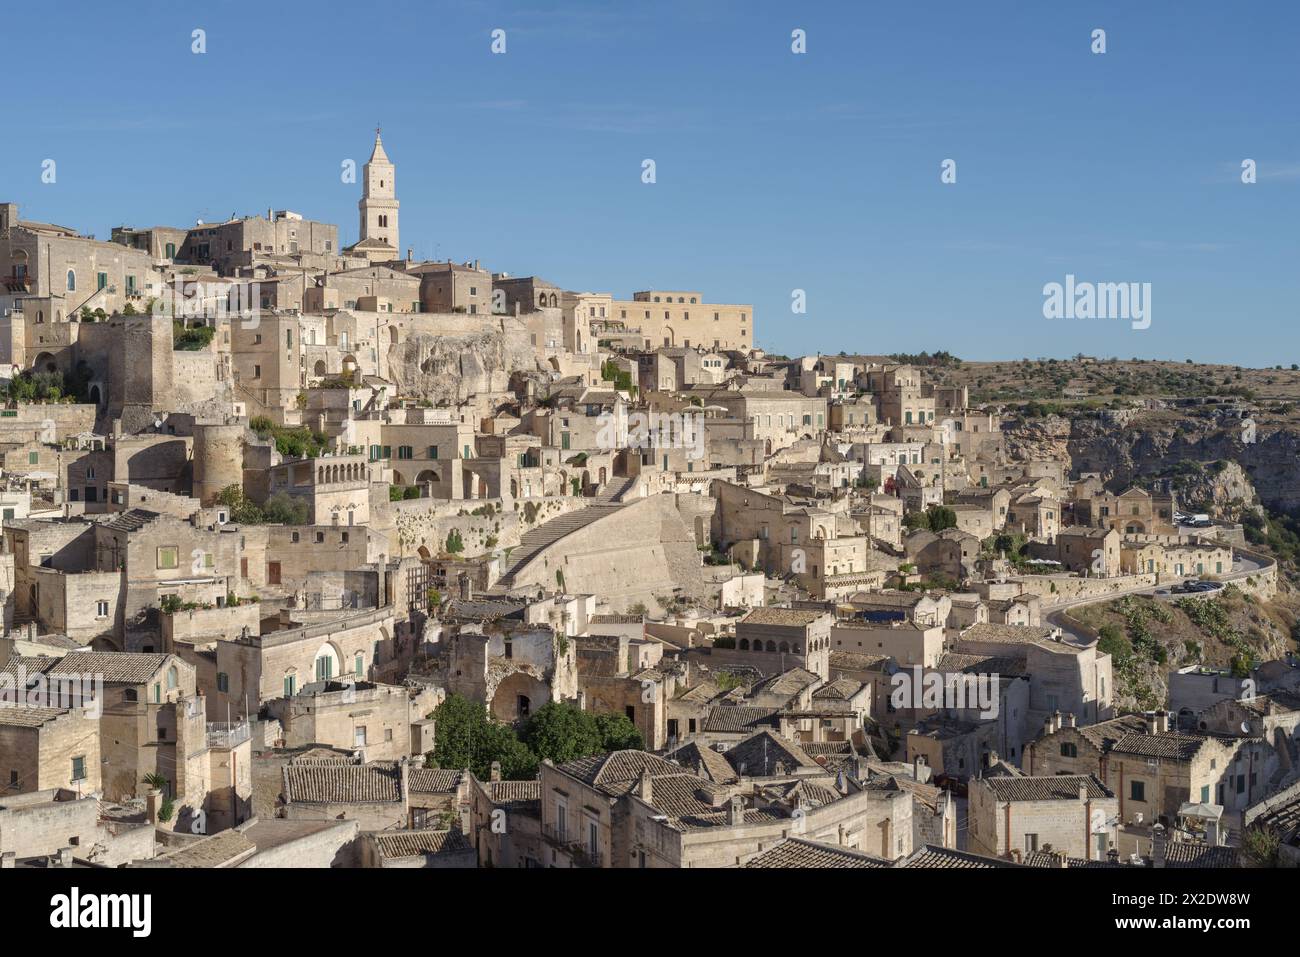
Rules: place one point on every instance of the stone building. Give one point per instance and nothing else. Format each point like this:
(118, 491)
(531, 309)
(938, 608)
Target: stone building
(43, 748)
(373, 795)
(1015, 815)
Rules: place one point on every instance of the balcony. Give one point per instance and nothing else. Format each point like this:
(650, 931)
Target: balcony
(222, 735)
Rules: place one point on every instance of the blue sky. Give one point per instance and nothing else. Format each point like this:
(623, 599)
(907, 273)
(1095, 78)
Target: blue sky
(775, 171)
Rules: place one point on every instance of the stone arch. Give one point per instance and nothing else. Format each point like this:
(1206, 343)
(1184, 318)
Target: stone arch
(44, 363)
(428, 475)
(394, 336)
(94, 395)
(518, 696)
(333, 658)
(424, 553)
(319, 369)
(784, 647)
(398, 478)
(744, 644)
(771, 645)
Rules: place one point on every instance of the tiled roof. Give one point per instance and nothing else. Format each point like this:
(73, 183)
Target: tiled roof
(758, 755)
(841, 689)
(684, 795)
(131, 520)
(796, 852)
(787, 682)
(932, 856)
(780, 616)
(730, 718)
(1061, 787)
(1005, 665)
(28, 717)
(705, 762)
(1186, 854)
(342, 784)
(1104, 734)
(852, 661)
(616, 771)
(433, 780)
(114, 667)
(1163, 744)
(518, 797)
(418, 843)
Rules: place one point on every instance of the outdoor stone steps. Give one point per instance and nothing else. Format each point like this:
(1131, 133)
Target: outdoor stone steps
(534, 541)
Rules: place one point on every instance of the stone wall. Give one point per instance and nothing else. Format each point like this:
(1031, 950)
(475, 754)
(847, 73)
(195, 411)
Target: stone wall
(426, 523)
(640, 553)
(1055, 589)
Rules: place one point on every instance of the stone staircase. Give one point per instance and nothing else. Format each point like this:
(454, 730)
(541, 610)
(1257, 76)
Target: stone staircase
(534, 541)
(615, 489)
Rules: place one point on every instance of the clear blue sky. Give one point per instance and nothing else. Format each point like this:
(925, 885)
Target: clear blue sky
(775, 171)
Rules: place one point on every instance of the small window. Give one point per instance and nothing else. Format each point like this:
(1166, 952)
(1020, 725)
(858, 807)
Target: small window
(168, 556)
(79, 768)
(223, 681)
(1137, 791)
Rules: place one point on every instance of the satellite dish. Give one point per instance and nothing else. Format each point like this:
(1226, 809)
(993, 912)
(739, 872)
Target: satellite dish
(1245, 727)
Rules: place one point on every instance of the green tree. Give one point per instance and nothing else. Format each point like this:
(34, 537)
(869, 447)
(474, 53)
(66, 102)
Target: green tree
(242, 511)
(618, 733)
(455, 545)
(562, 732)
(941, 517)
(464, 737)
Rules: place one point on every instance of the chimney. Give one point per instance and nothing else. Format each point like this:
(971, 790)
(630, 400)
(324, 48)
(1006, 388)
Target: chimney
(779, 768)
(920, 773)
(1056, 721)
(1070, 720)
(645, 787)
(1153, 722)
(1047, 726)
(65, 857)
(736, 811)
(1083, 792)
(1163, 718)
(410, 253)
(495, 773)
(1158, 846)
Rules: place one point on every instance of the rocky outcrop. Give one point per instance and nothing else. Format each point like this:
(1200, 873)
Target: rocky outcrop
(450, 368)
(1205, 453)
